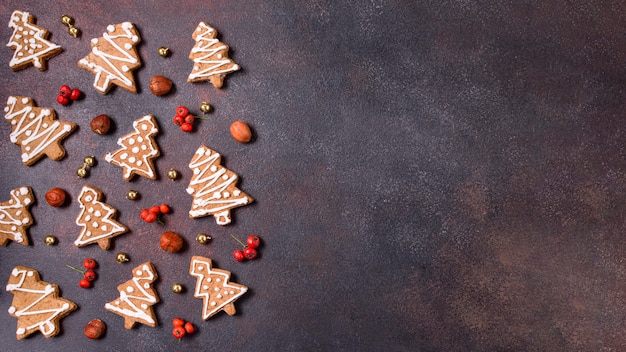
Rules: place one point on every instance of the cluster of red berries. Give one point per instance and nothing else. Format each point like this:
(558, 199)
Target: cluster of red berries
(67, 94)
(88, 274)
(182, 328)
(249, 251)
(152, 214)
(184, 119)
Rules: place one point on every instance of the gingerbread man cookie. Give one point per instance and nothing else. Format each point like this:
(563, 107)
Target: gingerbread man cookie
(36, 130)
(15, 217)
(214, 288)
(138, 149)
(96, 219)
(210, 57)
(29, 42)
(36, 304)
(113, 58)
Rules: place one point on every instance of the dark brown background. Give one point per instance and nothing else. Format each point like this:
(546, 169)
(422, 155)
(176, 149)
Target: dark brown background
(428, 175)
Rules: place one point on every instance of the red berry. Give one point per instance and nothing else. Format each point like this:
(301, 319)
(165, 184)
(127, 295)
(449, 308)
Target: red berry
(151, 217)
(62, 100)
(65, 91)
(84, 283)
(155, 209)
(189, 328)
(238, 255)
(90, 275)
(144, 213)
(249, 253)
(178, 322)
(178, 332)
(178, 120)
(75, 94)
(253, 241)
(182, 111)
(90, 263)
(189, 118)
(165, 209)
(186, 127)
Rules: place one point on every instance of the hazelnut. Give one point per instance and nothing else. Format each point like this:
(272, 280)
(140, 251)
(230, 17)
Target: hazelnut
(160, 85)
(171, 242)
(55, 197)
(100, 124)
(240, 131)
(95, 329)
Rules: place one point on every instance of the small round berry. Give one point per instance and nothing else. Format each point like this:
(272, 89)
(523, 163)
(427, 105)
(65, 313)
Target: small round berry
(164, 208)
(186, 127)
(178, 322)
(238, 255)
(90, 275)
(178, 332)
(84, 283)
(178, 120)
(65, 91)
(189, 118)
(189, 328)
(144, 213)
(90, 263)
(249, 253)
(253, 241)
(155, 209)
(75, 94)
(182, 111)
(62, 100)
(151, 217)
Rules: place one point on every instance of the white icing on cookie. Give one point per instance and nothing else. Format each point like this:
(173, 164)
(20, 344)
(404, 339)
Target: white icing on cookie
(210, 60)
(93, 214)
(15, 217)
(28, 41)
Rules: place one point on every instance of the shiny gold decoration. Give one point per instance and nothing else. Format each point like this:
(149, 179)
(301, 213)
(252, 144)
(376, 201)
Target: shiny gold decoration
(121, 257)
(177, 288)
(163, 51)
(202, 238)
(89, 161)
(67, 20)
(172, 174)
(132, 195)
(50, 240)
(73, 31)
(81, 172)
(205, 107)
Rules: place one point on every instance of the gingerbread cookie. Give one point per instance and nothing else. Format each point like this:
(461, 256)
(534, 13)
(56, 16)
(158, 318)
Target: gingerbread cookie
(113, 58)
(210, 57)
(137, 296)
(138, 149)
(29, 42)
(213, 187)
(214, 288)
(96, 219)
(36, 304)
(15, 217)
(36, 130)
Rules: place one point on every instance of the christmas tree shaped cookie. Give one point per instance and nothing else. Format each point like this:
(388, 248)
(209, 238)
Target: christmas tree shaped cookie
(15, 217)
(96, 219)
(210, 57)
(36, 130)
(214, 288)
(29, 42)
(137, 296)
(138, 149)
(36, 304)
(113, 58)
(213, 187)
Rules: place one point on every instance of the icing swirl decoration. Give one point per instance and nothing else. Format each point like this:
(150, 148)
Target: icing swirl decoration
(29, 42)
(210, 57)
(96, 219)
(15, 217)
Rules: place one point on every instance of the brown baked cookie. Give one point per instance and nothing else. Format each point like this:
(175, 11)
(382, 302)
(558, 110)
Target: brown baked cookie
(138, 149)
(137, 296)
(210, 57)
(214, 288)
(36, 129)
(36, 304)
(96, 219)
(15, 217)
(29, 42)
(113, 58)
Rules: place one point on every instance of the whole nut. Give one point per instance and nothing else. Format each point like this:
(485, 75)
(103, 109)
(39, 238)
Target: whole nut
(160, 85)
(55, 197)
(171, 242)
(95, 329)
(240, 131)
(100, 124)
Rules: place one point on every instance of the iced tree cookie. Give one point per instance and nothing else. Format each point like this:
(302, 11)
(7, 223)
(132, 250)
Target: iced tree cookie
(96, 219)
(137, 296)
(113, 58)
(210, 57)
(36, 129)
(29, 42)
(15, 217)
(138, 150)
(36, 304)
(214, 288)
(213, 187)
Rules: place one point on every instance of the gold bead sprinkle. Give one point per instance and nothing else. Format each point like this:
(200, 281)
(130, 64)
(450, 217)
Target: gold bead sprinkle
(163, 51)
(81, 172)
(73, 31)
(205, 107)
(172, 174)
(202, 238)
(177, 288)
(121, 257)
(90, 161)
(132, 195)
(50, 240)
(67, 20)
